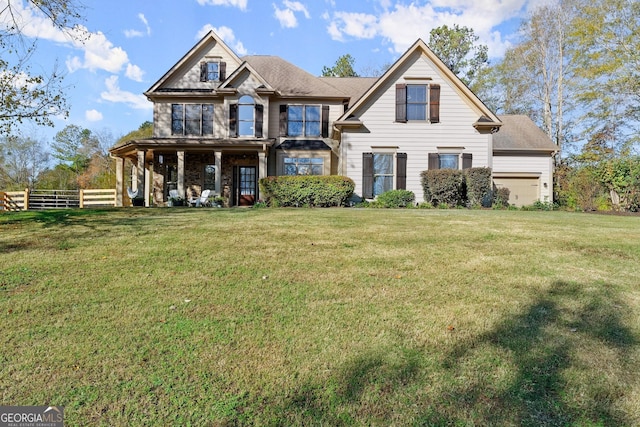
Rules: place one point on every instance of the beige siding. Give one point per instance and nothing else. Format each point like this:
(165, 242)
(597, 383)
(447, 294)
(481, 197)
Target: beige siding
(417, 139)
(523, 166)
(189, 78)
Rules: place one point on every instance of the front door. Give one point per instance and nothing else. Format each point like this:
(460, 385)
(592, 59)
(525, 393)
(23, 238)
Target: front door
(246, 188)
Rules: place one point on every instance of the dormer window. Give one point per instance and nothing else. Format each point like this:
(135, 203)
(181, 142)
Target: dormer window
(212, 71)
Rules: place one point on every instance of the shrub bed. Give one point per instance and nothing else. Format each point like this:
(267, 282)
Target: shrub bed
(479, 185)
(394, 199)
(311, 191)
(444, 186)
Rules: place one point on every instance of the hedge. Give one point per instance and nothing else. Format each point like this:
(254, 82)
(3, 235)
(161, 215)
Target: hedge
(444, 186)
(306, 190)
(479, 187)
(395, 199)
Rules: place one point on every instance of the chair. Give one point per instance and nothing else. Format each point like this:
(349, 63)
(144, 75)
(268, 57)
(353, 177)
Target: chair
(203, 200)
(133, 193)
(173, 194)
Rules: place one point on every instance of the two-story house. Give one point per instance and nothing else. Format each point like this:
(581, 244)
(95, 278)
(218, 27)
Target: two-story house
(222, 122)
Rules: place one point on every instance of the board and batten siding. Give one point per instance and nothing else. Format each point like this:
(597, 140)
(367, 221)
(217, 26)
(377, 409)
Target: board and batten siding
(514, 166)
(416, 139)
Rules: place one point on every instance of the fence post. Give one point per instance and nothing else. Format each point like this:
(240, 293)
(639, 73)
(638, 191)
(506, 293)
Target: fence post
(81, 201)
(26, 199)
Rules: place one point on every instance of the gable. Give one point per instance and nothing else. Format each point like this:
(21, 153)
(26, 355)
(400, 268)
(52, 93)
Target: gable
(186, 74)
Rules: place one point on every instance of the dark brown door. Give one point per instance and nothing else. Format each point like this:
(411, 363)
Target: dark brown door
(247, 185)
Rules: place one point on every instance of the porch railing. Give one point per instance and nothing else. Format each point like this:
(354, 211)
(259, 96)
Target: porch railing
(56, 199)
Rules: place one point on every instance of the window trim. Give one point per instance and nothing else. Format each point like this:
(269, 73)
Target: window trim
(304, 120)
(399, 163)
(201, 120)
(204, 70)
(323, 154)
(432, 104)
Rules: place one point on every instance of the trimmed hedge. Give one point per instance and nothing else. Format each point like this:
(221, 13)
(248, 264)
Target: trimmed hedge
(306, 190)
(395, 199)
(444, 186)
(452, 187)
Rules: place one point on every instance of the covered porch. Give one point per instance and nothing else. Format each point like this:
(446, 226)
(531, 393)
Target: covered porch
(229, 169)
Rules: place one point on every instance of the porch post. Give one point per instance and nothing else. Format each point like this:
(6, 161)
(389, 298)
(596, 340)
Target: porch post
(140, 171)
(262, 169)
(148, 179)
(119, 181)
(181, 174)
(218, 187)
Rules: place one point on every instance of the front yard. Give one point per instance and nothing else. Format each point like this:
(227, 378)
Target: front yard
(321, 316)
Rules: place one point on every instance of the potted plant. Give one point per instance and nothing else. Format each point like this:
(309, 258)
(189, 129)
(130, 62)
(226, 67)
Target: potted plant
(217, 201)
(176, 201)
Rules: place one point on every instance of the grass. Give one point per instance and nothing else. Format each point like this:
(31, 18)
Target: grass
(321, 317)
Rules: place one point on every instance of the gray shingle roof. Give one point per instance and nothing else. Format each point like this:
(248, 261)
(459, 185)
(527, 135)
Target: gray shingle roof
(354, 87)
(519, 132)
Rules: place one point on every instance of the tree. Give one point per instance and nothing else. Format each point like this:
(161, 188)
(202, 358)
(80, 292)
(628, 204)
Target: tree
(75, 147)
(342, 68)
(457, 47)
(26, 95)
(22, 159)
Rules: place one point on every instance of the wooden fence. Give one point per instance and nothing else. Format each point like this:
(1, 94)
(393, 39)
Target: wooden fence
(56, 199)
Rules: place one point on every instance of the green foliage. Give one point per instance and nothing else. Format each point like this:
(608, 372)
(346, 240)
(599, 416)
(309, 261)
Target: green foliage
(457, 47)
(22, 159)
(621, 176)
(145, 131)
(444, 186)
(394, 199)
(502, 197)
(479, 185)
(308, 191)
(342, 68)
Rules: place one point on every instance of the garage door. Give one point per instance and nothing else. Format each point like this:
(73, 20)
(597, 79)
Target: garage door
(522, 191)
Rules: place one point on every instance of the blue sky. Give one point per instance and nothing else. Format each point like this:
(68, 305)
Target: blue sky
(131, 44)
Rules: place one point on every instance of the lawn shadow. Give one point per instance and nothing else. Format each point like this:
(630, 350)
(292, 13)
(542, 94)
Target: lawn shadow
(545, 346)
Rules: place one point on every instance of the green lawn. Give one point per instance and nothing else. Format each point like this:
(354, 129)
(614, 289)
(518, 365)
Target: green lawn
(325, 316)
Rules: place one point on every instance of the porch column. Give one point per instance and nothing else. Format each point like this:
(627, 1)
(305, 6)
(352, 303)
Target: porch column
(181, 174)
(262, 169)
(218, 187)
(119, 181)
(148, 179)
(140, 172)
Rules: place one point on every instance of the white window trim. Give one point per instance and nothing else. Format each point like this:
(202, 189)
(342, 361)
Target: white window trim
(394, 162)
(304, 107)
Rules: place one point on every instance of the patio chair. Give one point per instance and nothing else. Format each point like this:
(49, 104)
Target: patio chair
(133, 193)
(203, 200)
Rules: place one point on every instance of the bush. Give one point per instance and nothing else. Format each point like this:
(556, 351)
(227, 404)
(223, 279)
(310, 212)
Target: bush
(395, 199)
(479, 185)
(311, 191)
(502, 197)
(444, 186)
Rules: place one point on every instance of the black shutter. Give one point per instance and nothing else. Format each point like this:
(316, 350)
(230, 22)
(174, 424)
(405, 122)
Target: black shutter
(367, 175)
(222, 72)
(258, 124)
(233, 120)
(467, 160)
(283, 120)
(434, 161)
(401, 171)
(325, 121)
(203, 71)
(434, 103)
(401, 103)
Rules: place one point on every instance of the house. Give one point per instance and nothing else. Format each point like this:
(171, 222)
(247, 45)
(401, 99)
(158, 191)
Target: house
(222, 122)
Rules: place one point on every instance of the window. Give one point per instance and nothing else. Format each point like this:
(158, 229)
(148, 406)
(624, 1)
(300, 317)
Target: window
(192, 119)
(304, 120)
(412, 101)
(245, 116)
(303, 165)
(450, 160)
(212, 71)
(209, 177)
(379, 172)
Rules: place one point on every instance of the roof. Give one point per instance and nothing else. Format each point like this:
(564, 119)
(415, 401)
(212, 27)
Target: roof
(354, 87)
(303, 144)
(289, 80)
(519, 132)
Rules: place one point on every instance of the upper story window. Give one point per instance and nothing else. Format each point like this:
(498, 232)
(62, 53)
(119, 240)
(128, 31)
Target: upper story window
(304, 120)
(192, 119)
(414, 100)
(212, 71)
(245, 118)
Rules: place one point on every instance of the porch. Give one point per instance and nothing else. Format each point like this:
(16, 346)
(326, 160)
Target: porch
(230, 170)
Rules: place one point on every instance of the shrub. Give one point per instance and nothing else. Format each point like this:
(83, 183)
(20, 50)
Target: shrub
(444, 186)
(479, 185)
(312, 191)
(395, 199)
(502, 198)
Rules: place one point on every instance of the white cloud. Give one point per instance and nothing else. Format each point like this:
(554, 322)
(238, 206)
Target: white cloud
(134, 72)
(93, 115)
(137, 33)
(145, 22)
(115, 94)
(402, 24)
(286, 16)
(240, 4)
(133, 33)
(226, 34)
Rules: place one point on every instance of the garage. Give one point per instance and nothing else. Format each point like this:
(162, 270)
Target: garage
(522, 190)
